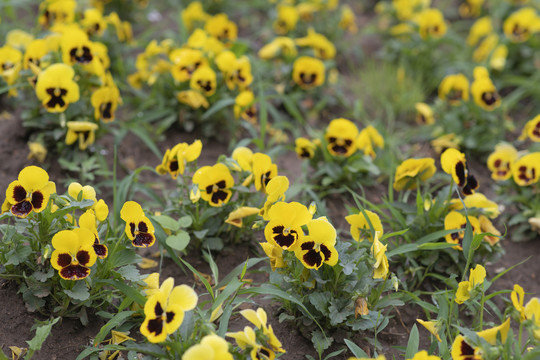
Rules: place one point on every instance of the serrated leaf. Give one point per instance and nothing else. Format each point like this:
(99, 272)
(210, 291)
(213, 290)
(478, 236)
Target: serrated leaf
(79, 291)
(43, 276)
(337, 316)
(178, 241)
(129, 272)
(320, 341)
(320, 301)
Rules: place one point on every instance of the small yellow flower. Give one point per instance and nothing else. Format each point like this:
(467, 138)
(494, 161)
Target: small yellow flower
(164, 310)
(211, 347)
(139, 229)
(30, 192)
(73, 255)
(480, 29)
(193, 14)
(275, 254)
(318, 247)
(424, 114)
(204, 80)
(454, 89)
(360, 226)
(500, 162)
(455, 220)
(410, 169)
(305, 149)
(308, 72)
(281, 45)
(37, 151)
(432, 326)
(215, 184)
(285, 226)
(348, 20)
(431, 23)
(521, 24)
(220, 27)
(235, 217)
(244, 106)
(368, 139)
(193, 98)
(83, 131)
(378, 251)
(323, 48)
(532, 129)
(287, 17)
(483, 91)
(56, 89)
(341, 135)
(526, 170)
(476, 278)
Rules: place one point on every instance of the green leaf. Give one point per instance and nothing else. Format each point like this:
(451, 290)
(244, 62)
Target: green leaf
(355, 349)
(111, 324)
(218, 105)
(395, 233)
(125, 289)
(167, 222)
(333, 354)
(18, 255)
(436, 235)
(230, 289)
(412, 345)
(185, 221)
(178, 241)
(320, 341)
(43, 276)
(213, 243)
(79, 291)
(319, 300)
(435, 246)
(129, 272)
(143, 135)
(239, 270)
(42, 333)
(200, 234)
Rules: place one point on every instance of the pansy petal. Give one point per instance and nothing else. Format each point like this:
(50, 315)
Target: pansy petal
(184, 296)
(74, 272)
(33, 178)
(66, 241)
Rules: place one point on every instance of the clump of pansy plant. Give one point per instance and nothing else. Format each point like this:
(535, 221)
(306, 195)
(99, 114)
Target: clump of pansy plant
(412, 30)
(436, 209)
(470, 108)
(61, 78)
(215, 204)
(339, 281)
(517, 175)
(259, 341)
(61, 249)
(342, 155)
(205, 72)
(504, 40)
(458, 320)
